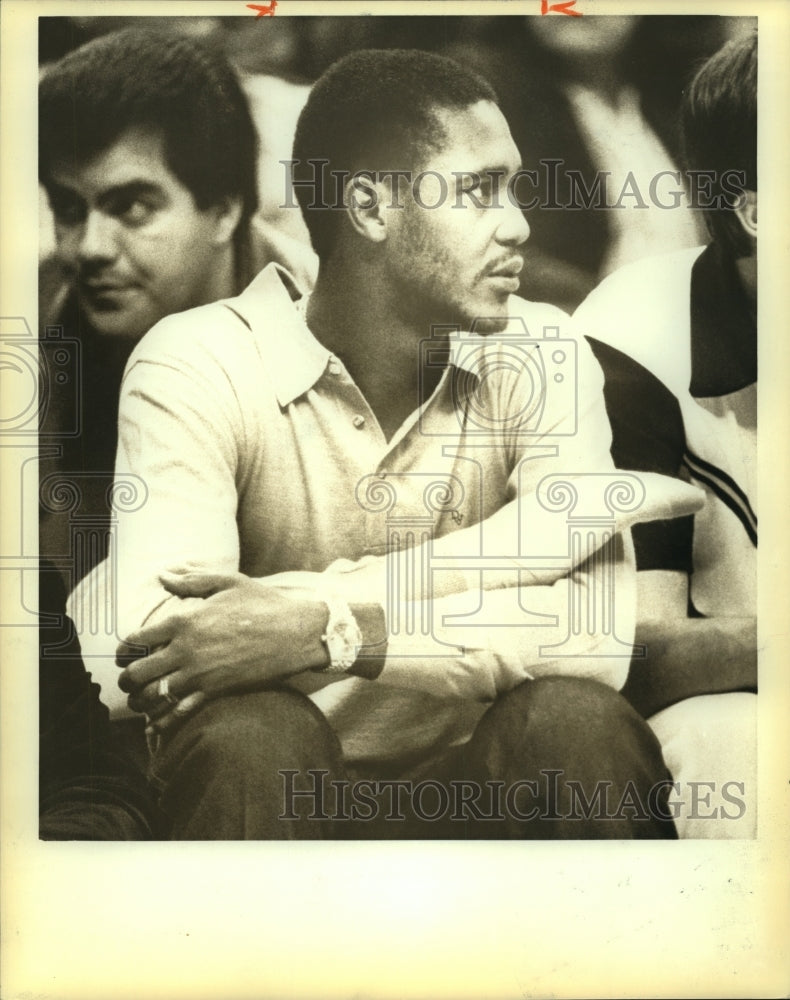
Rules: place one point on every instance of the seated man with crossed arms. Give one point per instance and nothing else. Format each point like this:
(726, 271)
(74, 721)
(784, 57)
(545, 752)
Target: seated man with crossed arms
(316, 629)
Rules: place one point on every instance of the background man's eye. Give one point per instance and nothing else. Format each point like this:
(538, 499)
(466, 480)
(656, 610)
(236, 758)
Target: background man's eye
(136, 212)
(68, 212)
(133, 212)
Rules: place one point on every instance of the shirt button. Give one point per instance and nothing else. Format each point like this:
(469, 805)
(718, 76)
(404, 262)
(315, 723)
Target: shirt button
(358, 421)
(334, 368)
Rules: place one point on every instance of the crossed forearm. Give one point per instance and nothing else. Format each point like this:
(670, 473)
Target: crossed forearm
(241, 635)
(691, 656)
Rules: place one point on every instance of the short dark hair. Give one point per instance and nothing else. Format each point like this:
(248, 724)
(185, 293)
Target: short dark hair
(719, 124)
(375, 109)
(164, 82)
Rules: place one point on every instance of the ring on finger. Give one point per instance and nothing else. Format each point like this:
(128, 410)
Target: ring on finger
(163, 690)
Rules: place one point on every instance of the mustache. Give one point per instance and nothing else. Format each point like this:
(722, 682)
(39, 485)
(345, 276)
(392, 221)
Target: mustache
(98, 275)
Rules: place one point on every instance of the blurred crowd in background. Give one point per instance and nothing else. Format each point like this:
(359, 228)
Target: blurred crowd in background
(599, 93)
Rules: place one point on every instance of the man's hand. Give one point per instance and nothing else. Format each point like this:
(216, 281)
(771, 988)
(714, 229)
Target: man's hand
(244, 636)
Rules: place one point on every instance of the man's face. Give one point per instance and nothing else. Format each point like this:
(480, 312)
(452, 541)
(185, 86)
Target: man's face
(132, 237)
(460, 261)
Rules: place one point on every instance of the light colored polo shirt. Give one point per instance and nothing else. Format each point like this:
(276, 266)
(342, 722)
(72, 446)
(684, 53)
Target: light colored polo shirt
(259, 453)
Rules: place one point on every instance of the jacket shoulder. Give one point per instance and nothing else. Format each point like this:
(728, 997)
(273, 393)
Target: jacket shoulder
(643, 310)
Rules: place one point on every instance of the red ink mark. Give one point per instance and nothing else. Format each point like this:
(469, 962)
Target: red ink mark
(560, 8)
(265, 9)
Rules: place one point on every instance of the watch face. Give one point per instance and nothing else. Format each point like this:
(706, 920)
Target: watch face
(349, 633)
(343, 638)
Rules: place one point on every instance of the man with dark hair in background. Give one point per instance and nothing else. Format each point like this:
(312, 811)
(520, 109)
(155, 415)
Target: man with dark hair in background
(148, 154)
(273, 433)
(677, 337)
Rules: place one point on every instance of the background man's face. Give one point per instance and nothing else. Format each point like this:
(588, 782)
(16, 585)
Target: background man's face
(131, 236)
(460, 261)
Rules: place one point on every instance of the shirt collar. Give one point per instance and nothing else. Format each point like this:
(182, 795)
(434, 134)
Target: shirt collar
(723, 328)
(302, 359)
(465, 351)
(466, 345)
(268, 305)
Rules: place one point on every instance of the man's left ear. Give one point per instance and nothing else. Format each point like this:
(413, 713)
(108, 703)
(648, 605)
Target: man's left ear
(228, 215)
(746, 210)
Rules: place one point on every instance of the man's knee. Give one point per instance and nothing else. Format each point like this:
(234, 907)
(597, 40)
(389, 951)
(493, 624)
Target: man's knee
(223, 774)
(560, 705)
(575, 700)
(264, 729)
(572, 740)
(565, 722)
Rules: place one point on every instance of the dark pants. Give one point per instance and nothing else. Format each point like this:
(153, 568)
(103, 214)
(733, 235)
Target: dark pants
(556, 759)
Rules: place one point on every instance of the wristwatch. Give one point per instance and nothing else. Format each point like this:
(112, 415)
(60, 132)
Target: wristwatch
(343, 636)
